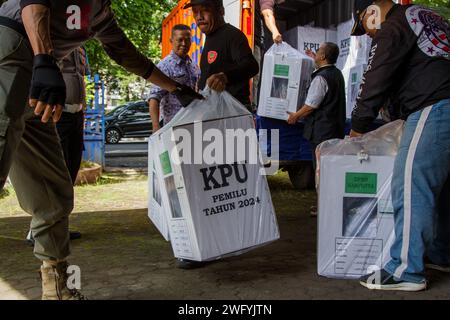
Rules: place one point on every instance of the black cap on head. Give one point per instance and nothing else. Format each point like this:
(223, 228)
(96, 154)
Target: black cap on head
(216, 3)
(359, 6)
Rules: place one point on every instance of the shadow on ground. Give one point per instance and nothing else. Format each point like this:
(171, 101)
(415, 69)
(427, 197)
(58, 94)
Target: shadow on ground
(122, 256)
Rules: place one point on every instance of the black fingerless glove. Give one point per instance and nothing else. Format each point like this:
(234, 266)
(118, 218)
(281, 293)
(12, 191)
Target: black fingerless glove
(47, 83)
(186, 95)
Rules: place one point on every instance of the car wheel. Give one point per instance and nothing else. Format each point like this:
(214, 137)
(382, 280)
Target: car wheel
(112, 136)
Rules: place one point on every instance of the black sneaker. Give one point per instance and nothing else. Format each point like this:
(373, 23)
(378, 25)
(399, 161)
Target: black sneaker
(383, 280)
(74, 235)
(189, 264)
(439, 267)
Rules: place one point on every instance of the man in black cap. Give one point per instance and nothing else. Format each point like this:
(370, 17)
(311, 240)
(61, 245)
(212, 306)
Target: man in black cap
(409, 66)
(34, 36)
(227, 62)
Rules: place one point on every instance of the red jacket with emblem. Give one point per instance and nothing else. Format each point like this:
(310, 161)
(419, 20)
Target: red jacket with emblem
(227, 50)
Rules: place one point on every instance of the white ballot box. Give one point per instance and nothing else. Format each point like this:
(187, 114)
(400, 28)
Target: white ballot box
(308, 38)
(355, 213)
(331, 35)
(354, 83)
(216, 200)
(286, 76)
(155, 202)
(354, 52)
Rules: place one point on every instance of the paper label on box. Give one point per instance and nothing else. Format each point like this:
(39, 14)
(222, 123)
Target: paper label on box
(354, 256)
(361, 183)
(276, 107)
(165, 163)
(281, 70)
(181, 241)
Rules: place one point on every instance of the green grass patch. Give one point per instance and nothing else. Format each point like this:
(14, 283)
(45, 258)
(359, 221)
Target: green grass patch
(87, 164)
(4, 193)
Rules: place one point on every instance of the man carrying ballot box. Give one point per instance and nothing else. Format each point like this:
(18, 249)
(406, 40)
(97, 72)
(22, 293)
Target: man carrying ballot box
(409, 65)
(324, 108)
(227, 62)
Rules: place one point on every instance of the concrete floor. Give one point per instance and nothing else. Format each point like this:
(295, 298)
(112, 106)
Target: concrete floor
(122, 256)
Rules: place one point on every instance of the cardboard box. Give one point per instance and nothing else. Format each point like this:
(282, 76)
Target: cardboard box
(286, 76)
(344, 40)
(354, 51)
(303, 38)
(218, 208)
(355, 218)
(331, 35)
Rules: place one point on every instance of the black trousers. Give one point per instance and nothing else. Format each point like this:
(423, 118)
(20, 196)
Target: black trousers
(70, 130)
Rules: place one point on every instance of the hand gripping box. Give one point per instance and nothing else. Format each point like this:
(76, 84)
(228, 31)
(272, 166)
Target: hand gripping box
(286, 77)
(355, 217)
(216, 200)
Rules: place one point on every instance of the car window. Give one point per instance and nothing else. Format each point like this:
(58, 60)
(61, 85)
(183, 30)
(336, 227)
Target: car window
(142, 107)
(116, 110)
(133, 108)
(136, 109)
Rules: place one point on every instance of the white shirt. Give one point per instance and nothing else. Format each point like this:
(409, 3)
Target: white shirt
(317, 91)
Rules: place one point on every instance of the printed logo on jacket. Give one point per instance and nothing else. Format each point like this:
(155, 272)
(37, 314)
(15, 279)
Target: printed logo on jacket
(433, 31)
(212, 56)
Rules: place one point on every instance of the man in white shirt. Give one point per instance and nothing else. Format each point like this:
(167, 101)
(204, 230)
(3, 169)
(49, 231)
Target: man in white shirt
(324, 108)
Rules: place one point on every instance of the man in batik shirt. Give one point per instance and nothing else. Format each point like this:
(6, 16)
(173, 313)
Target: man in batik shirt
(178, 66)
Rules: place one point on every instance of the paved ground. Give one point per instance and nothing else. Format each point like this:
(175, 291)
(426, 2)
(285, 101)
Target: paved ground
(131, 153)
(133, 146)
(127, 162)
(122, 256)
